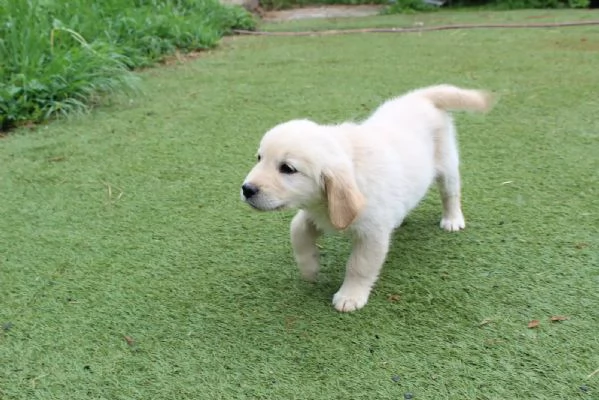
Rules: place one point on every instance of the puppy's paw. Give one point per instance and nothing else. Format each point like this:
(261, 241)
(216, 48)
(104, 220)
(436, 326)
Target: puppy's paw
(453, 224)
(350, 300)
(309, 269)
(309, 275)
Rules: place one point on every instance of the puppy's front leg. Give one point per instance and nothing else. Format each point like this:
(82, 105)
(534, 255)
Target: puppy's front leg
(363, 267)
(303, 241)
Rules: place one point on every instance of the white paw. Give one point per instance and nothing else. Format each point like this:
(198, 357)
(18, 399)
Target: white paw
(308, 269)
(309, 275)
(453, 224)
(350, 300)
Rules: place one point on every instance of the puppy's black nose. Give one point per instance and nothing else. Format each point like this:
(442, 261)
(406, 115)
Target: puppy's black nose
(249, 190)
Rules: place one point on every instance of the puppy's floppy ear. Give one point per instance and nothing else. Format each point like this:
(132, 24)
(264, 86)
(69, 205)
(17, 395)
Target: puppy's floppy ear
(345, 201)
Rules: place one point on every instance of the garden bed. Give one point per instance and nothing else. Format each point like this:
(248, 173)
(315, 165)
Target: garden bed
(58, 58)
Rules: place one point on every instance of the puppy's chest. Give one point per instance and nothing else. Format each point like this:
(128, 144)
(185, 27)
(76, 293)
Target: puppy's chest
(320, 218)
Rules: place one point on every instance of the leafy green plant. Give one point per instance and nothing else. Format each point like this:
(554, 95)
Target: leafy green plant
(58, 57)
(579, 3)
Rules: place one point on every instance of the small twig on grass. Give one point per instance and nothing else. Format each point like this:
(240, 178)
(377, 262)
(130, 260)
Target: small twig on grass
(34, 380)
(109, 191)
(418, 29)
(595, 372)
(484, 322)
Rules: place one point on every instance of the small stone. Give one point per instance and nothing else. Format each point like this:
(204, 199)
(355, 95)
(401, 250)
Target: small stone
(408, 396)
(395, 378)
(584, 388)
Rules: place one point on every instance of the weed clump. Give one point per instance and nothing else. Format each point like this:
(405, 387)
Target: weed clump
(60, 57)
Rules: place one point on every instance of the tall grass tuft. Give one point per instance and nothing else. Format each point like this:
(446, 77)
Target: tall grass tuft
(58, 56)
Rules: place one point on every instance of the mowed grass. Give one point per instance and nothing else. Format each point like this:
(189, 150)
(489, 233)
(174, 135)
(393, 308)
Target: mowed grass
(130, 269)
(429, 19)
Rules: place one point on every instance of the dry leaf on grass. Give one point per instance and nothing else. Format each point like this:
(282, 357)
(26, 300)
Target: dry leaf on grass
(484, 322)
(556, 318)
(130, 341)
(289, 322)
(533, 324)
(393, 298)
(493, 342)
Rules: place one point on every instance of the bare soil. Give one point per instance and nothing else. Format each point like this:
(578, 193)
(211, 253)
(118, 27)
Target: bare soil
(322, 12)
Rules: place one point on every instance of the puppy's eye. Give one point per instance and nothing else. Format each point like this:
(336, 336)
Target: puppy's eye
(259, 158)
(287, 169)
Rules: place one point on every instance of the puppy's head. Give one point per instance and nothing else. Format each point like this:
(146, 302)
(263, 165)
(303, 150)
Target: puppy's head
(302, 165)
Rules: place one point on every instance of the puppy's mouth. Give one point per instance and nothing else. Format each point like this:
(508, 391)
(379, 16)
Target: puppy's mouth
(260, 206)
(277, 208)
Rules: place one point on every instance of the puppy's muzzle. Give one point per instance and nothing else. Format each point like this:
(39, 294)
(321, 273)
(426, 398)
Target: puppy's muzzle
(249, 190)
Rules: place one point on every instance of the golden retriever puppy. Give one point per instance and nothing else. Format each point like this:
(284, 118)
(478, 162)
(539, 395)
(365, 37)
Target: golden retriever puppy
(362, 178)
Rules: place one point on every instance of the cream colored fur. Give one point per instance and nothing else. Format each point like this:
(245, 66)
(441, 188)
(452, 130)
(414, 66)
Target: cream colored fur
(363, 178)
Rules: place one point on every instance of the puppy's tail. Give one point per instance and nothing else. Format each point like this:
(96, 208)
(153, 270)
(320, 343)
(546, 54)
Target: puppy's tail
(448, 98)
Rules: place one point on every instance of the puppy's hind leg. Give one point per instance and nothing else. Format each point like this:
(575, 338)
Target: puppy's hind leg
(448, 179)
(303, 241)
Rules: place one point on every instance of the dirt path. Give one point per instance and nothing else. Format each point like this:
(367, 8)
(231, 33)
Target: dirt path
(323, 12)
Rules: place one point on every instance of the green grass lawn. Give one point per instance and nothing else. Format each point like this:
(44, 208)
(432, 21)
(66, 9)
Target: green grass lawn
(130, 269)
(449, 17)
